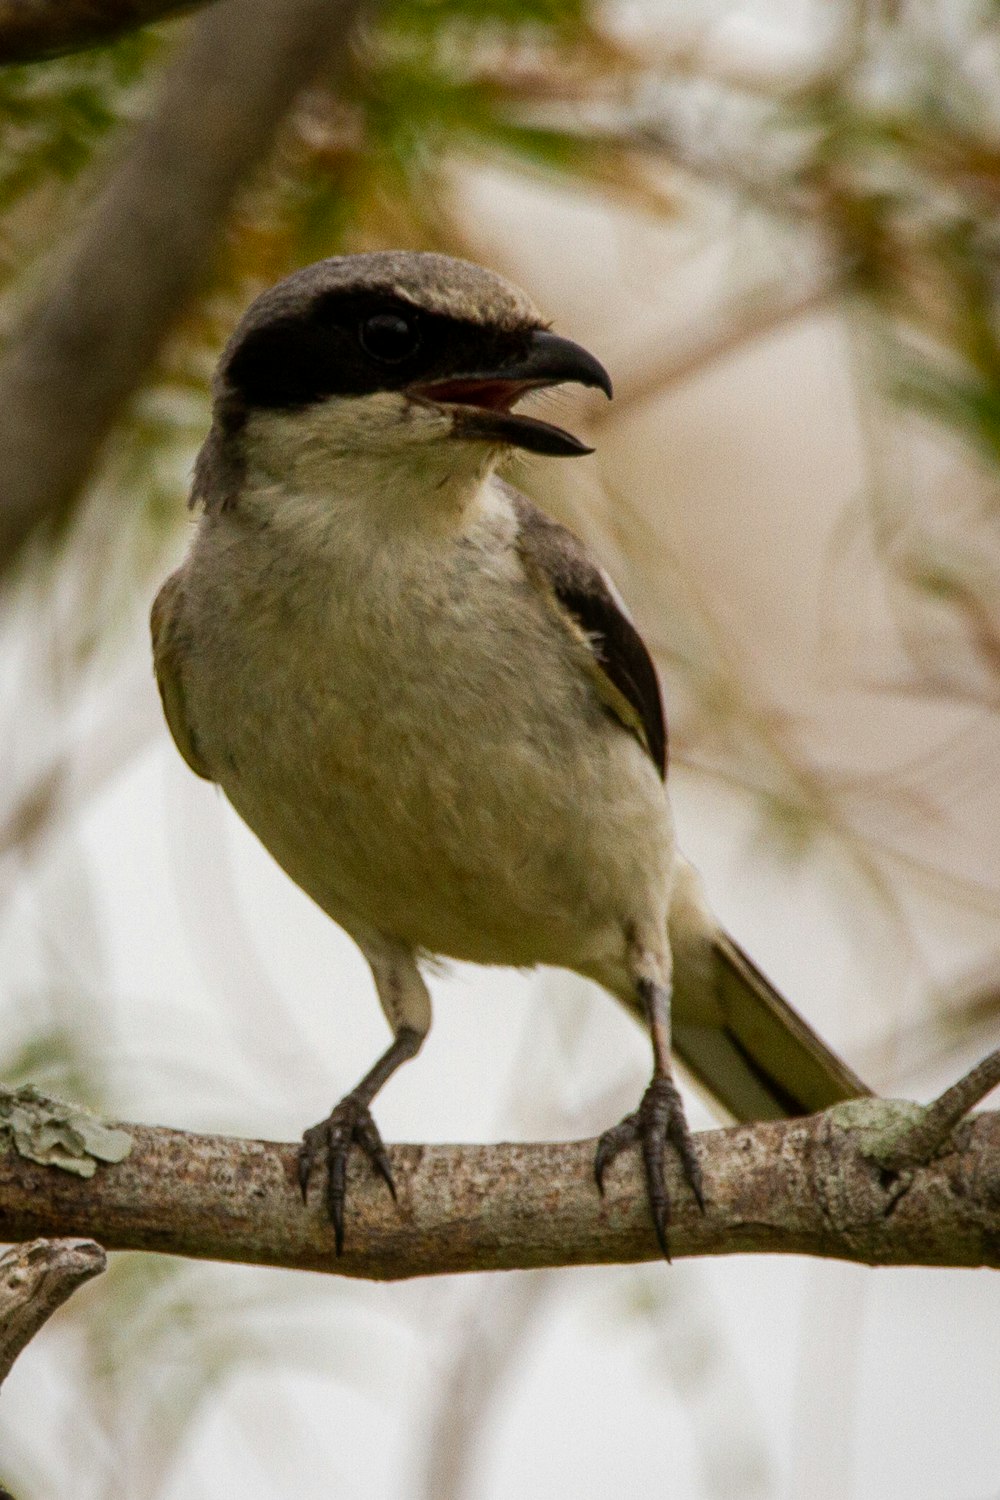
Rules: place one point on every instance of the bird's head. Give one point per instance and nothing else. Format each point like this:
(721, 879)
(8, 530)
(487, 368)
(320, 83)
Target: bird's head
(394, 360)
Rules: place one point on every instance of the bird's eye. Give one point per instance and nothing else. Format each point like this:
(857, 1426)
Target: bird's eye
(389, 337)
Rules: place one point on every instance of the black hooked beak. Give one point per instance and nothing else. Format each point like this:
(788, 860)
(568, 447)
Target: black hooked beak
(483, 399)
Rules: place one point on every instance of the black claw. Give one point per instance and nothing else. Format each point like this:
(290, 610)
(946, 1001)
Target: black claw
(611, 1144)
(380, 1161)
(601, 1158)
(349, 1124)
(660, 1118)
(652, 1140)
(680, 1139)
(304, 1165)
(370, 1141)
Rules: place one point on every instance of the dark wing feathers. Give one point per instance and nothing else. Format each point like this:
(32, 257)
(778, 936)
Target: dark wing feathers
(746, 1045)
(625, 676)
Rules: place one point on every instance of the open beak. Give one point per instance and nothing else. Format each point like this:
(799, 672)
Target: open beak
(483, 400)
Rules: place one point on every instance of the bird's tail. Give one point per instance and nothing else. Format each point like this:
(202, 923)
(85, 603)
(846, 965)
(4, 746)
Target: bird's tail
(734, 1032)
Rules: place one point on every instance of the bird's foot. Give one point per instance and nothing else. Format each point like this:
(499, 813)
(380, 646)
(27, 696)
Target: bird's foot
(660, 1118)
(349, 1124)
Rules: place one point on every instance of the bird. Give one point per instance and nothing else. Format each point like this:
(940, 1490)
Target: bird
(432, 706)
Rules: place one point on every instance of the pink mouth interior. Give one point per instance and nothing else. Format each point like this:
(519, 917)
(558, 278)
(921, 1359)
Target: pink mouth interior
(493, 395)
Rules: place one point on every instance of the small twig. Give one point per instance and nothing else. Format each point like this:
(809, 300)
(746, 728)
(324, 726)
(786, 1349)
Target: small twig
(35, 1280)
(937, 1121)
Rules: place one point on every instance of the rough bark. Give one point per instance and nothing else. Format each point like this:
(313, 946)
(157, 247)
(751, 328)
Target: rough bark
(33, 29)
(815, 1186)
(136, 261)
(35, 1280)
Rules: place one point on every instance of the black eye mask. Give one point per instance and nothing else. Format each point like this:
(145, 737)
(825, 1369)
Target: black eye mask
(356, 343)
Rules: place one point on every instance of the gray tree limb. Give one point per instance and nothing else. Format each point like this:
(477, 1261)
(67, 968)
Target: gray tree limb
(34, 29)
(35, 1280)
(149, 234)
(814, 1186)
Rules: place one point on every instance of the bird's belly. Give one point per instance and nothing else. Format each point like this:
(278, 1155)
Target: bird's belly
(475, 861)
(445, 792)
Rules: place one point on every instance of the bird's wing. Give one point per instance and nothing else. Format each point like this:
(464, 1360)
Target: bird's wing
(168, 653)
(731, 1028)
(587, 604)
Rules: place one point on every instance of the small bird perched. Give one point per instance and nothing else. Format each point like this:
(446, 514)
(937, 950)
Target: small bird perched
(429, 703)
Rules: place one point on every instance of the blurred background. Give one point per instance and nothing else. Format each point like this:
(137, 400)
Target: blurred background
(777, 224)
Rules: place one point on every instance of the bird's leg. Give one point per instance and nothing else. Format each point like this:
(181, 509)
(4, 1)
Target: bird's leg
(407, 1005)
(349, 1124)
(660, 1118)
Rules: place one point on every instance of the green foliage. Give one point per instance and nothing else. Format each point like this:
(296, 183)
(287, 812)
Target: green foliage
(414, 114)
(967, 402)
(429, 18)
(56, 114)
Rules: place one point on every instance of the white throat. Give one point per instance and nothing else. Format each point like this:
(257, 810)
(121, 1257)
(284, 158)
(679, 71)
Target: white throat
(382, 463)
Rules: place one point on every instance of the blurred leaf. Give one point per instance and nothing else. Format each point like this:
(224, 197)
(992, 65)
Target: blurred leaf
(57, 113)
(433, 17)
(969, 404)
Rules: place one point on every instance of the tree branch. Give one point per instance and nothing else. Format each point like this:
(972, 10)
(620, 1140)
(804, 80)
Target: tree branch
(35, 1280)
(35, 29)
(933, 1125)
(811, 1186)
(135, 263)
